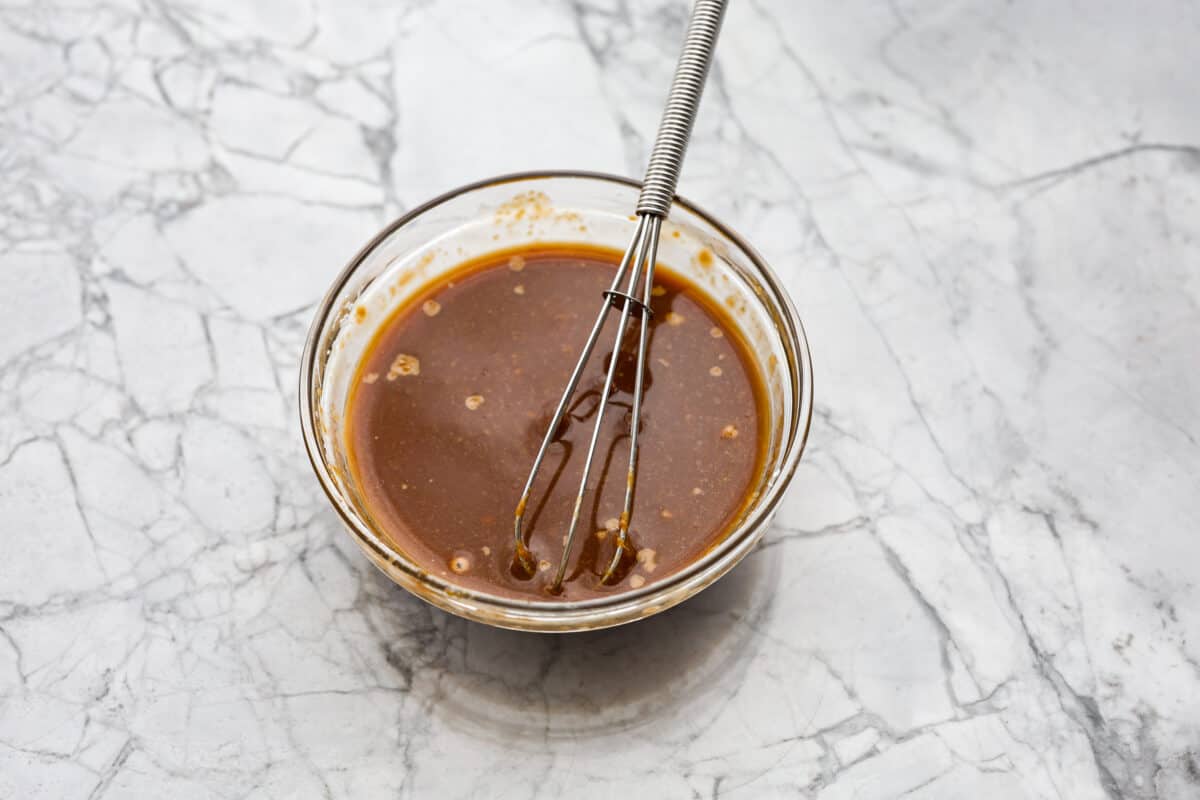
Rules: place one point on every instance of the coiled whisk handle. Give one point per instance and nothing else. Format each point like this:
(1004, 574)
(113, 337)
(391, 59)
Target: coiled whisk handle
(666, 158)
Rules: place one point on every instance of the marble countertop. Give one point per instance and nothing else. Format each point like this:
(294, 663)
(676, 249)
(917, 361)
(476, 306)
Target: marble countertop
(983, 583)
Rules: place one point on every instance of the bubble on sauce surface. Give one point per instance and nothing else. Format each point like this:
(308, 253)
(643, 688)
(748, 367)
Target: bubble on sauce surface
(473, 402)
(674, 319)
(460, 563)
(404, 365)
(729, 432)
(647, 557)
(637, 581)
(431, 308)
(715, 372)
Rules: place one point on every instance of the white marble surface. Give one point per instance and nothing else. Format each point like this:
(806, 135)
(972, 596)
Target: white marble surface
(983, 585)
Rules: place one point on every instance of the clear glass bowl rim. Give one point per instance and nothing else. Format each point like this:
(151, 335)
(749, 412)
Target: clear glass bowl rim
(598, 612)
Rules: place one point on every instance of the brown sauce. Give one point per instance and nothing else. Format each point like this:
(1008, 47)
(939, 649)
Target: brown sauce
(455, 393)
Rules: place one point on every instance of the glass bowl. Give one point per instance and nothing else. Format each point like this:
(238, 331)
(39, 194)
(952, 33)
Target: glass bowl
(570, 207)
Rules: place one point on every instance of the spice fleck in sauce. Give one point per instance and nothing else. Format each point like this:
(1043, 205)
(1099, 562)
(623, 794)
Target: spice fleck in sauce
(456, 390)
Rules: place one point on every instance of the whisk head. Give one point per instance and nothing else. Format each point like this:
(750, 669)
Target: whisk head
(636, 272)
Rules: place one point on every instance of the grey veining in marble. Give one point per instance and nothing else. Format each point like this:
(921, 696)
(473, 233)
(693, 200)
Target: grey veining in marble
(984, 583)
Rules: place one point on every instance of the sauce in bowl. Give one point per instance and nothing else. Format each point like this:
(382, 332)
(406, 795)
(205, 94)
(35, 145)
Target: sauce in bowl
(454, 394)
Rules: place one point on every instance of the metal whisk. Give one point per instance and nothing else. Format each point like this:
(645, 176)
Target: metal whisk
(653, 205)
